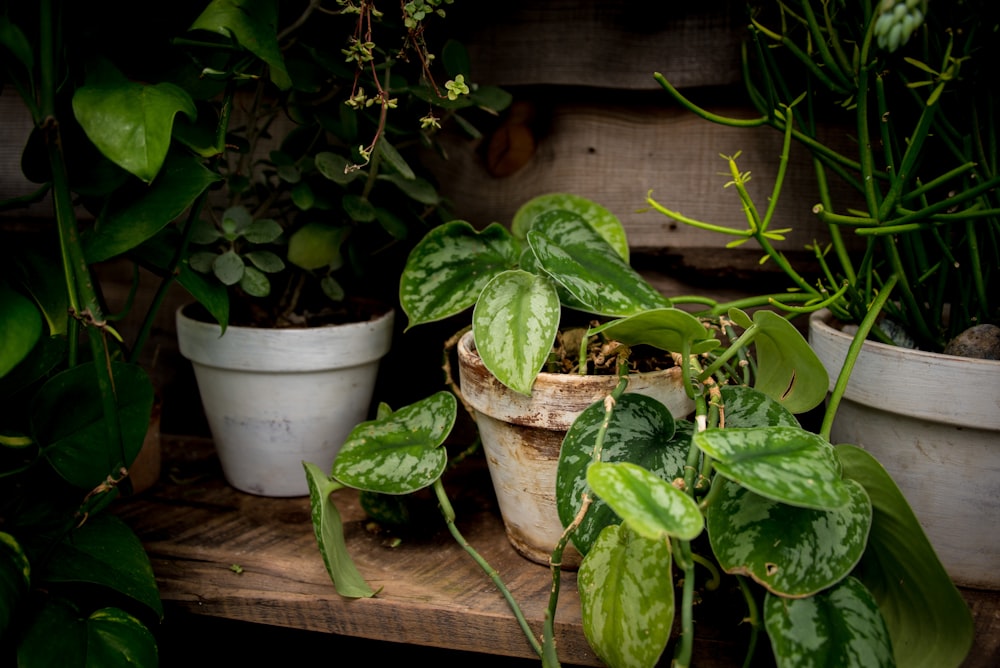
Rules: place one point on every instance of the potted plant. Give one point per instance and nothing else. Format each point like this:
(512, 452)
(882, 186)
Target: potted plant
(523, 285)
(658, 504)
(77, 405)
(318, 209)
(919, 240)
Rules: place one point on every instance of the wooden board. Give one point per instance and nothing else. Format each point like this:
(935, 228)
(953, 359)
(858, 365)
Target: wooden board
(196, 528)
(614, 44)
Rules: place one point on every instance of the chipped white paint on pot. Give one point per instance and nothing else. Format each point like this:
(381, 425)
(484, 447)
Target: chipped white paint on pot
(521, 437)
(933, 421)
(277, 397)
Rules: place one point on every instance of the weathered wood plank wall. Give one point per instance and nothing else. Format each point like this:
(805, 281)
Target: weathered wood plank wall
(590, 118)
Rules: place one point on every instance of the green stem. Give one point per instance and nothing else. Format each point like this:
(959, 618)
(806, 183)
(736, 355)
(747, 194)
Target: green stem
(864, 327)
(449, 516)
(753, 617)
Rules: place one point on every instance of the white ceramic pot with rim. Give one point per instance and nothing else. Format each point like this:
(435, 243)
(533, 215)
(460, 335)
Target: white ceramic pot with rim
(522, 436)
(274, 398)
(933, 422)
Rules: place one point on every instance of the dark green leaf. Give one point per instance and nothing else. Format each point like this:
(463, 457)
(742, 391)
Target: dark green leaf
(262, 231)
(664, 328)
(787, 368)
(650, 505)
(357, 208)
(136, 213)
(789, 550)
(329, 529)
(787, 464)
(641, 431)
(335, 167)
(747, 407)
(20, 327)
(515, 323)
(402, 452)
(448, 268)
(131, 122)
(417, 189)
(929, 621)
(839, 627)
(265, 260)
(394, 159)
(68, 421)
(60, 635)
(593, 276)
(599, 218)
(316, 245)
(15, 577)
(253, 23)
(627, 598)
(228, 267)
(255, 282)
(105, 552)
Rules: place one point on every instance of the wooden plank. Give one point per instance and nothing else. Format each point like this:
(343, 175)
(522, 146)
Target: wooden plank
(615, 154)
(615, 44)
(195, 528)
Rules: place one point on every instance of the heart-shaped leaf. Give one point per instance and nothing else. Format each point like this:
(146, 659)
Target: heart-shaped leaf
(15, 577)
(448, 268)
(789, 550)
(603, 221)
(60, 635)
(787, 464)
(105, 552)
(928, 619)
(67, 418)
(596, 277)
(747, 407)
(665, 328)
(20, 327)
(787, 368)
(130, 122)
(839, 627)
(254, 26)
(627, 597)
(514, 324)
(138, 211)
(641, 431)
(329, 529)
(650, 505)
(399, 453)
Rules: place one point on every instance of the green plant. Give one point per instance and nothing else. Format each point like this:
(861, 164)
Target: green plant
(657, 505)
(131, 127)
(914, 85)
(322, 193)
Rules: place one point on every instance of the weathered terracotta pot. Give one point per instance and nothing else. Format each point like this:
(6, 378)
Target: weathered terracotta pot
(933, 422)
(522, 436)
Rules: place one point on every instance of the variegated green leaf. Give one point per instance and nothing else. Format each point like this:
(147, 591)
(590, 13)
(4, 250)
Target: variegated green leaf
(786, 464)
(603, 221)
(747, 407)
(448, 268)
(665, 328)
(928, 619)
(400, 453)
(627, 598)
(514, 325)
(329, 529)
(839, 627)
(590, 270)
(787, 368)
(641, 431)
(649, 504)
(790, 551)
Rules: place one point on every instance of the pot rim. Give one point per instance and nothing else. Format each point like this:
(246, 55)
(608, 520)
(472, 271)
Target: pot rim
(962, 391)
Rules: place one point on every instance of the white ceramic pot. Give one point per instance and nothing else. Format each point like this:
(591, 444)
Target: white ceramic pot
(522, 436)
(933, 421)
(277, 397)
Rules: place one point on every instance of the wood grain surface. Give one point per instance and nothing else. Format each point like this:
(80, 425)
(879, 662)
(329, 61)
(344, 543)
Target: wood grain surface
(198, 532)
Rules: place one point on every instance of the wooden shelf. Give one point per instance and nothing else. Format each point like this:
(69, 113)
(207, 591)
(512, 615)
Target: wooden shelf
(198, 532)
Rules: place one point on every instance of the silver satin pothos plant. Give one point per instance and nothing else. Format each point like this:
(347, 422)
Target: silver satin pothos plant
(833, 566)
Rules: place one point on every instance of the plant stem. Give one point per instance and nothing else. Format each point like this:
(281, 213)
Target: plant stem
(449, 517)
(852, 356)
